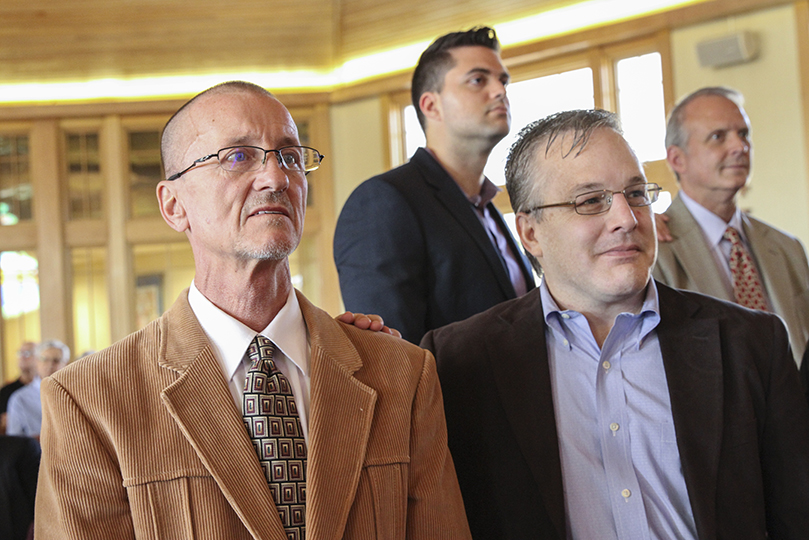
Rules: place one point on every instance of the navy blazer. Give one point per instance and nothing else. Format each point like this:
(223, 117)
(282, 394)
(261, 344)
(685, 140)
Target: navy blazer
(409, 247)
(741, 420)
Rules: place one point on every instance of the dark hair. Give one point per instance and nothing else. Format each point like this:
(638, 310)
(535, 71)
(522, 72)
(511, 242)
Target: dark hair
(436, 60)
(523, 176)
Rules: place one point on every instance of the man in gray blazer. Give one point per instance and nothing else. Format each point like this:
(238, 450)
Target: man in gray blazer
(709, 149)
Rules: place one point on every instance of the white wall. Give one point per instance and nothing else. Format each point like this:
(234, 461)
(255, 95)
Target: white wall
(779, 189)
(358, 143)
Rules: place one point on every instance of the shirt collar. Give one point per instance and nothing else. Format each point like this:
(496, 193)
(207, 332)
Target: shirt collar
(713, 226)
(649, 311)
(487, 192)
(230, 338)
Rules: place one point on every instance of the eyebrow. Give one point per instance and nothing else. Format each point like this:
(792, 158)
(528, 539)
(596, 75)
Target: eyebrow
(248, 140)
(487, 71)
(597, 186)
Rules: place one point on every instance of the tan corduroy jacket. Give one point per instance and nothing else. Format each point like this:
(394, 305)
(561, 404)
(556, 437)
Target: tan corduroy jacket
(143, 440)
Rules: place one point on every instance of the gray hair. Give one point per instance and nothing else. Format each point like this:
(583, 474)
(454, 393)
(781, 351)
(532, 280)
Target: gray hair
(675, 134)
(53, 344)
(523, 174)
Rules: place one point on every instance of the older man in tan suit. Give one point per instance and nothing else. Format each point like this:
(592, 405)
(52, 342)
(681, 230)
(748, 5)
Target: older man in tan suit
(709, 148)
(162, 434)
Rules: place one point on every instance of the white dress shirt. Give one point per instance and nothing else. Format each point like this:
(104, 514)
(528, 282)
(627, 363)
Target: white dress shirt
(230, 340)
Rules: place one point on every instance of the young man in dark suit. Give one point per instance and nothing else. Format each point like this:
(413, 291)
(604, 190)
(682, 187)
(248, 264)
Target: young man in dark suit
(423, 245)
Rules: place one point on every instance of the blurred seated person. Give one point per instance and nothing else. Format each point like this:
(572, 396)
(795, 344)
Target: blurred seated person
(24, 406)
(26, 361)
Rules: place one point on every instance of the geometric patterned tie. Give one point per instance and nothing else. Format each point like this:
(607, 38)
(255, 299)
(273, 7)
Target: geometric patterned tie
(272, 421)
(747, 287)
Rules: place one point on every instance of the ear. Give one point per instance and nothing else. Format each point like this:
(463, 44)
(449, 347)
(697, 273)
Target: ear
(171, 208)
(430, 105)
(527, 229)
(676, 158)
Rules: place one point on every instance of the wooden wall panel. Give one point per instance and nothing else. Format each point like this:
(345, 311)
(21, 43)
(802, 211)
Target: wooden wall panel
(373, 25)
(43, 40)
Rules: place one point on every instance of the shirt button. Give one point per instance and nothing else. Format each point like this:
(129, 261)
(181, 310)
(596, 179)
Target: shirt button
(626, 494)
(614, 426)
(565, 342)
(565, 316)
(606, 364)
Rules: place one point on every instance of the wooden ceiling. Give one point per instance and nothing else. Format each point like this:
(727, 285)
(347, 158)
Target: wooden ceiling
(77, 40)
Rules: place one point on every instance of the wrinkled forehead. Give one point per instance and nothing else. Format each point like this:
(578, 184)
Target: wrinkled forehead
(51, 354)
(601, 159)
(236, 117)
(713, 110)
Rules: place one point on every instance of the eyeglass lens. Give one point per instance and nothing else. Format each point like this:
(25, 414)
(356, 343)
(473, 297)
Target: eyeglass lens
(597, 202)
(251, 158)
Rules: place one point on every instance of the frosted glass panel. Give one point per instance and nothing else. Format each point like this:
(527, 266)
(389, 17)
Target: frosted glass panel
(641, 106)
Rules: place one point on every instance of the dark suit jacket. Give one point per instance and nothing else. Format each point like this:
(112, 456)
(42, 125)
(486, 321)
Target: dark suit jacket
(19, 464)
(741, 421)
(409, 247)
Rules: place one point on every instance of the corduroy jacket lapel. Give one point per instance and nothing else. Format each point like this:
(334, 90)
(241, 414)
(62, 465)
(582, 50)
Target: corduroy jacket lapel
(201, 404)
(341, 414)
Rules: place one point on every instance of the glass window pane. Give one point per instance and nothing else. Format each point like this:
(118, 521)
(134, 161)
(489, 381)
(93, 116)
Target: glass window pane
(414, 136)
(537, 98)
(91, 313)
(19, 296)
(641, 106)
(162, 271)
(15, 182)
(85, 184)
(530, 100)
(145, 171)
(306, 140)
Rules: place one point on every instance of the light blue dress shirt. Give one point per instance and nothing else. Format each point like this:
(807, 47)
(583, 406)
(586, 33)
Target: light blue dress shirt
(25, 411)
(620, 462)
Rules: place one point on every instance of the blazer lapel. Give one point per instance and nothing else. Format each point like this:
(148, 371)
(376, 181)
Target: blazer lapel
(692, 357)
(201, 404)
(454, 200)
(341, 414)
(527, 397)
(774, 270)
(516, 248)
(693, 252)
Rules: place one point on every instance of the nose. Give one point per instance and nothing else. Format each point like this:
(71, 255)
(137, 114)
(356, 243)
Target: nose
(739, 144)
(621, 215)
(271, 175)
(498, 88)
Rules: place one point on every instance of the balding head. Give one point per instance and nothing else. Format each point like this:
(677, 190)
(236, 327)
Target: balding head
(176, 137)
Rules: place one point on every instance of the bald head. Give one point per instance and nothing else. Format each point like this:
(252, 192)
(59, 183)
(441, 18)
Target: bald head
(176, 137)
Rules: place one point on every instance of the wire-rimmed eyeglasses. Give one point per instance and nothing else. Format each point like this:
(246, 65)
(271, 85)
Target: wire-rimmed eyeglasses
(241, 159)
(598, 202)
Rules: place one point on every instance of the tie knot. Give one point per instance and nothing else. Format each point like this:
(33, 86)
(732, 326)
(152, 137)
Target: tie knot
(261, 349)
(732, 235)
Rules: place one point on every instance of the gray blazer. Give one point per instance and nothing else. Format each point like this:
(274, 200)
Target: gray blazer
(686, 263)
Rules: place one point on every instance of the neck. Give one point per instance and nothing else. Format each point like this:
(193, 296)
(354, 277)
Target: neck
(254, 297)
(720, 202)
(26, 378)
(463, 162)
